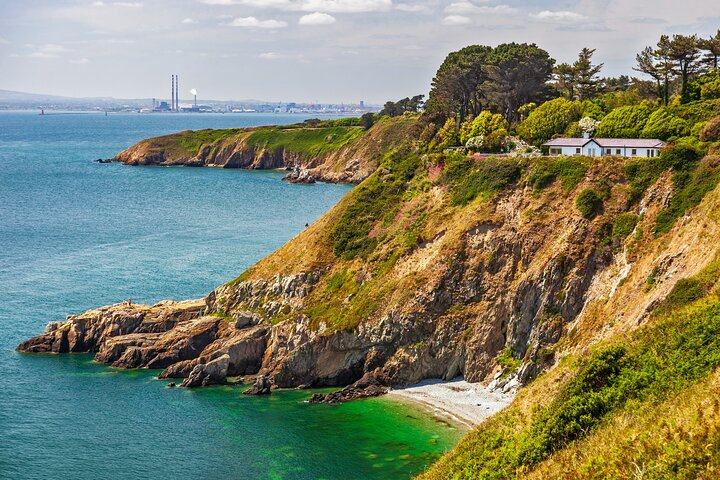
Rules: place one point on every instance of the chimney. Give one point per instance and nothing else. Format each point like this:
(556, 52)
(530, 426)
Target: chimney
(177, 93)
(172, 92)
(586, 134)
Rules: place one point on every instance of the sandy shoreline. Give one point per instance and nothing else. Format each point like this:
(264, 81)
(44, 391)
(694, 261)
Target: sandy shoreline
(466, 404)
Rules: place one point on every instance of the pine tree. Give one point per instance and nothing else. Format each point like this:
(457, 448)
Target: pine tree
(586, 79)
(565, 79)
(712, 47)
(685, 51)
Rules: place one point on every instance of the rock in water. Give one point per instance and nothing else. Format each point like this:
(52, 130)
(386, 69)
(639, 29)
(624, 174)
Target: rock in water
(211, 373)
(372, 384)
(262, 386)
(299, 175)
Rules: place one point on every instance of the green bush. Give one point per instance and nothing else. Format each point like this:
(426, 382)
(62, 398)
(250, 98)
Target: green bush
(588, 202)
(550, 118)
(710, 90)
(711, 131)
(625, 122)
(642, 172)
(663, 125)
(623, 225)
(484, 124)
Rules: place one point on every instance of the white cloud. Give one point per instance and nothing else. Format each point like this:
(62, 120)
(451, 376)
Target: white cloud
(80, 61)
(407, 7)
(324, 6)
(98, 4)
(464, 7)
(317, 18)
(188, 21)
(456, 20)
(269, 56)
(346, 6)
(562, 16)
(252, 22)
(128, 4)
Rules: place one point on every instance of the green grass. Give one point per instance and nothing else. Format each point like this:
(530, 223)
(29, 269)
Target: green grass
(469, 178)
(374, 202)
(192, 141)
(310, 142)
(569, 170)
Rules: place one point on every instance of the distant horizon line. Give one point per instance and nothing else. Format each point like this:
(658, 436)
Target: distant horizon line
(160, 98)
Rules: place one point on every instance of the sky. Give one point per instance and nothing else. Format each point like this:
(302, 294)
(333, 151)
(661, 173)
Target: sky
(327, 51)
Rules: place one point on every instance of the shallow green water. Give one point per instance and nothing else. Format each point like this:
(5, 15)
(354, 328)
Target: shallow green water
(76, 234)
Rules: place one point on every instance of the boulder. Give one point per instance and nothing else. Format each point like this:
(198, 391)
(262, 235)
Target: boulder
(262, 386)
(211, 373)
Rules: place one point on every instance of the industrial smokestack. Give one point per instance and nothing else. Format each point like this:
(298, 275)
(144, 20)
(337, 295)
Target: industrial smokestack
(172, 92)
(177, 93)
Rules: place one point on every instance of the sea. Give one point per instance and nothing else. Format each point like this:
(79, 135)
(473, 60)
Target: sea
(76, 234)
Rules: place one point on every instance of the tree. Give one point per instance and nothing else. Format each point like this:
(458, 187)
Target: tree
(448, 135)
(586, 81)
(395, 109)
(663, 125)
(685, 51)
(517, 75)
(484, 124)
(367, 120)
(625, 122)
(646, 64)
(664, 64)
(712, 47)
(550, 118)
(455, 89)
(565, 79)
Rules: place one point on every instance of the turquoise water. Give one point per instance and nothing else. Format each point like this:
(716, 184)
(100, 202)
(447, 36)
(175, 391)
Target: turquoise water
(75, 234)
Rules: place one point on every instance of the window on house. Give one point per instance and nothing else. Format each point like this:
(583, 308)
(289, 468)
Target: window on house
(618, 151)
(608, 151)
(555, 151)
(651, 153)
(634, 151)
(577, 150)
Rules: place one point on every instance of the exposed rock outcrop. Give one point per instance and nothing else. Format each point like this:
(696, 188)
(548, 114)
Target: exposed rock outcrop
(262, 386)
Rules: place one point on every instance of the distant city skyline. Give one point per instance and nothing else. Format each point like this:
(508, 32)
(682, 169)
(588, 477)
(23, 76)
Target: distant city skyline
(325, 51)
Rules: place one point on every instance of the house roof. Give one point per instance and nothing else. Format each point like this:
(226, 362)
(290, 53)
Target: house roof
(607, 142)
(630, 142)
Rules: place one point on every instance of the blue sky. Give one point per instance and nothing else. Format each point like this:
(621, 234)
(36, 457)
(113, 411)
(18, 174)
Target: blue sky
(306, 50)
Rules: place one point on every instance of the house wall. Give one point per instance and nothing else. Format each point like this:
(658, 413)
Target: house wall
(624, 152)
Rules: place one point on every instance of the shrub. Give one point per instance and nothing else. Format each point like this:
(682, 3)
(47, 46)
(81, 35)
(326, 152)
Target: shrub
(588, 202)
(710, 90)
(447, 136)
(484, 124)
(625, 122)
(550, 118)
(570, 171)
(711, 131)
(663, 125)
(623, 225)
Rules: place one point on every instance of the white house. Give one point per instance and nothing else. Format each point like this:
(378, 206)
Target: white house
(595, 147)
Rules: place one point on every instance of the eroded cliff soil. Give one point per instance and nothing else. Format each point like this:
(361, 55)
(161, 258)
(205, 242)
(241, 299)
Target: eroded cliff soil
(434, 266)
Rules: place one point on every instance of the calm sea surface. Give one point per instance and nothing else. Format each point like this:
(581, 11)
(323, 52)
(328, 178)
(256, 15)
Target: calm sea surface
(75, 235)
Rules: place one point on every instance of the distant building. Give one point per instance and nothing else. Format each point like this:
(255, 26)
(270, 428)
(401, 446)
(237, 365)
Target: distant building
(595, 147)
(362, 104)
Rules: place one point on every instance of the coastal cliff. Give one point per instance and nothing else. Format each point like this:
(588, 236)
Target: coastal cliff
(436, 266)
(590, 282)
(328, 151)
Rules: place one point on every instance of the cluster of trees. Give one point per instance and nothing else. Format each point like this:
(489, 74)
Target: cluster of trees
(677, 59)
(500, 79)
(407, 104)
(481, 95)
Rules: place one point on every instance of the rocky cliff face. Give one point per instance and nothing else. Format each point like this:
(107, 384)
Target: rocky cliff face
(495, 285)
